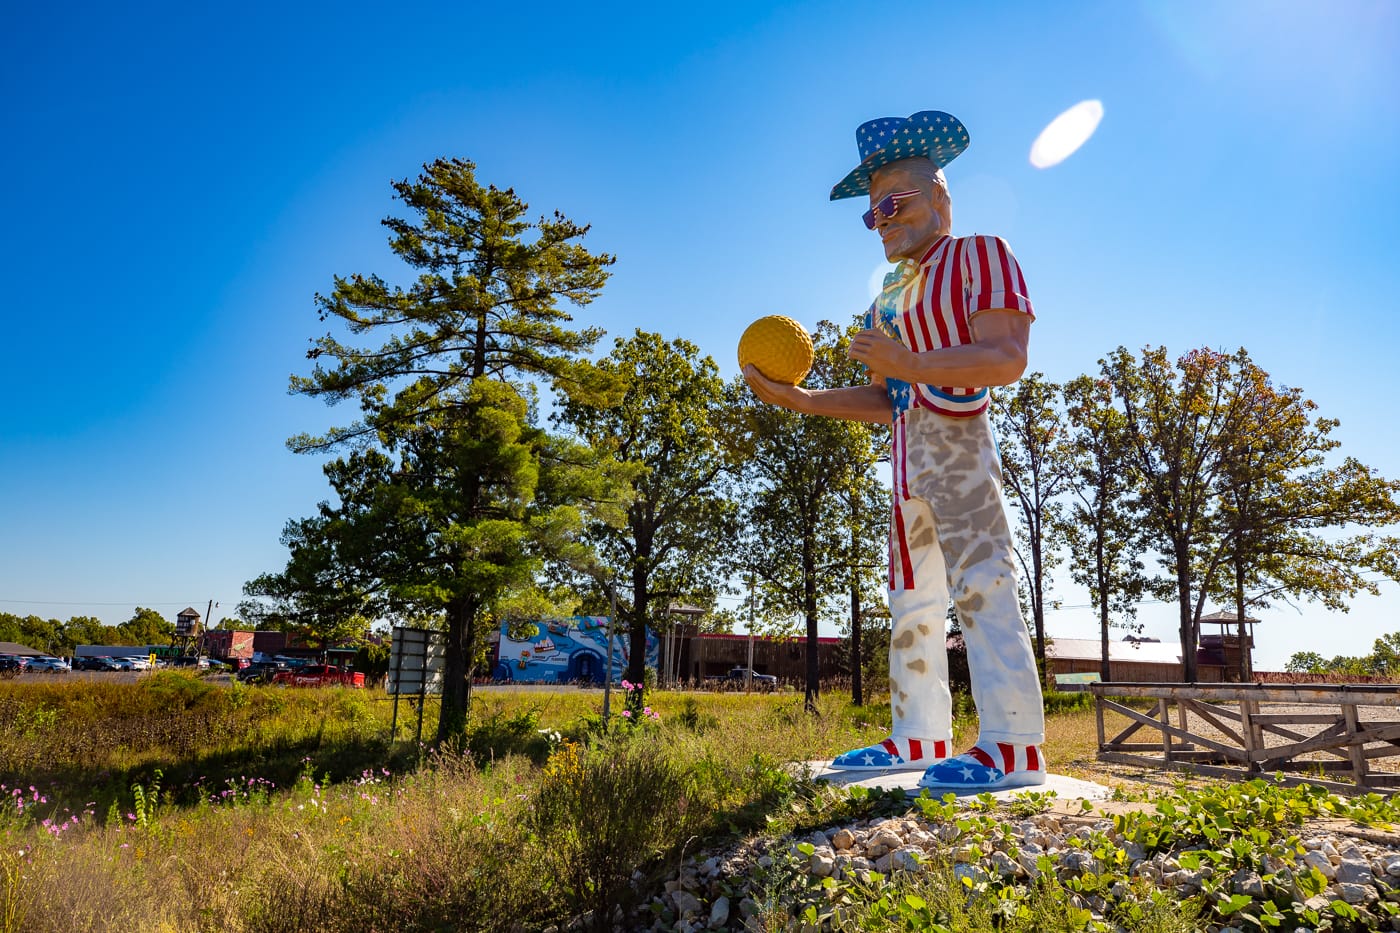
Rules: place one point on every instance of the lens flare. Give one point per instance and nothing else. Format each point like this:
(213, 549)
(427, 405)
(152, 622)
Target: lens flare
(1066, 133)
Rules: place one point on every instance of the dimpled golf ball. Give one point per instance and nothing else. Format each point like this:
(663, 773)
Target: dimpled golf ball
(780, 348)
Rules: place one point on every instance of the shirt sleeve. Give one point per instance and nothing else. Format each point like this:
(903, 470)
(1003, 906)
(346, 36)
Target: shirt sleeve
(992, 277)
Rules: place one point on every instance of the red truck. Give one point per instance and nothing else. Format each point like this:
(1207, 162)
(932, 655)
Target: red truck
(319, 675)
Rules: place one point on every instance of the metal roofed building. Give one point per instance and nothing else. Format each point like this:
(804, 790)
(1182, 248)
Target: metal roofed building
(1134, 661)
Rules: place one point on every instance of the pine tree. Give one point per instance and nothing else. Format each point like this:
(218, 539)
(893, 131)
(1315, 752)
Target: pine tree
(449, 394)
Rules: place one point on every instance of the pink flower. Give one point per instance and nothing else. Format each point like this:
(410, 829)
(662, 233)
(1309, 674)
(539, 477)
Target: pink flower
(627, 713)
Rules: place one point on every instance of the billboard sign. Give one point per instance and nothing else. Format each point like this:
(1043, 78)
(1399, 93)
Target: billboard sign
(416, 660)
(564, 651)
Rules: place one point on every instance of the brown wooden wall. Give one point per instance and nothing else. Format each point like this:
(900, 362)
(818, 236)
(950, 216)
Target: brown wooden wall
(785, 659)
(1122, 671)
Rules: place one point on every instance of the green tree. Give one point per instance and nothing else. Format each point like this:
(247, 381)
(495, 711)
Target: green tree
(1100, 526)
(85, 630)
(1306, 662)
(864, 502)
(1178, 422)
(1035, 470)
(797, 520)
(450, 393)
(32, 631)
(866, 506)
(1236, 489)
(146, 627)
(1283, 506)
(1385, 655)
(675, 541)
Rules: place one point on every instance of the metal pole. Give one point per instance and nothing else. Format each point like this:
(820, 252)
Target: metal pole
(396, 641)
(607, 681)
(666, 655)
(748, 671)
(423, 690)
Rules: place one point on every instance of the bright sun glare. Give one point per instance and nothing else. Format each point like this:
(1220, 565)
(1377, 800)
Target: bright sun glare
(1066, 133)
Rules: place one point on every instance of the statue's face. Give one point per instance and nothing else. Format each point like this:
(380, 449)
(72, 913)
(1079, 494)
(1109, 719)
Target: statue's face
(916, 223)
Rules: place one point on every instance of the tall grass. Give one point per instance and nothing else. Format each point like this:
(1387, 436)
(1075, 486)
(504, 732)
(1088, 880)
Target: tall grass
(173, 805)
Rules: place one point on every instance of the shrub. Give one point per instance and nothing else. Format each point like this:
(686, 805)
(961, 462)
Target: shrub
(1062, 702)
(600, 814)
(500, 734)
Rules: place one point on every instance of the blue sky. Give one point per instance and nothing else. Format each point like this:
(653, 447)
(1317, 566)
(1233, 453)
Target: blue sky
(182, 181)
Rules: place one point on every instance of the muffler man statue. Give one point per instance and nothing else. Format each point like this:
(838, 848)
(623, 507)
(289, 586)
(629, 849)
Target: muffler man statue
(953, 318)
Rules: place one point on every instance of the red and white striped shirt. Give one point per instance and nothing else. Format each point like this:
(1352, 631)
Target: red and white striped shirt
(928, 306)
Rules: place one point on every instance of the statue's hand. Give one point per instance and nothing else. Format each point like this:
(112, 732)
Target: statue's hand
(882, 354)
(774, 393)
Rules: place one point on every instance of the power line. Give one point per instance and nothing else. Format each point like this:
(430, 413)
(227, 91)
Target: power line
(86, 602)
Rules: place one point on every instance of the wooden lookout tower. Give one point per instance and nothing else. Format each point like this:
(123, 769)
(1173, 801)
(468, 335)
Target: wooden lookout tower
(1231, 651)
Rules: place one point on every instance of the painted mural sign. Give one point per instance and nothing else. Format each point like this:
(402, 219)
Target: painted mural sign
(562, 651)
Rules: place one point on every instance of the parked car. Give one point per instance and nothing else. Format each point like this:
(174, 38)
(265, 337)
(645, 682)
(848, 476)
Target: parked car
(261, 672)
(18, 661)
(185, 660)
(319, 675)
(95, 664)
(10, 666)
(49, 665)
(736, 678)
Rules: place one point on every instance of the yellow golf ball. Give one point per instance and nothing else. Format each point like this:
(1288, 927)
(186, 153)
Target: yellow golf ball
(779, 346)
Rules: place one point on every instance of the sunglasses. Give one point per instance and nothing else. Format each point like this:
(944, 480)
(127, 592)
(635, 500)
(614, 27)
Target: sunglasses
(887, 207)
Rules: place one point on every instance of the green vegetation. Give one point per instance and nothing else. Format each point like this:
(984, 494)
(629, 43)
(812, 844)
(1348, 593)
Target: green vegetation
(1230, 483)
(174, 805)
(145, 627)
(1383, 661)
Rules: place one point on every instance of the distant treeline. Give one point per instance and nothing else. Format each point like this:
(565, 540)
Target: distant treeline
(145, 627)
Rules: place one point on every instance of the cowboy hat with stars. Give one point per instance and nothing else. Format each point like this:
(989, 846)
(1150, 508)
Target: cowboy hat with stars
(932, 134)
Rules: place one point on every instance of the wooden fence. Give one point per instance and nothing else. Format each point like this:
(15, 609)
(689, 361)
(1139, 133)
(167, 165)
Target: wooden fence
(1342, 737)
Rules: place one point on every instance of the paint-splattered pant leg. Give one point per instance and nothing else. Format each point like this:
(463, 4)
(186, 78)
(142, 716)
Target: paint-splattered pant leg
(951, 536)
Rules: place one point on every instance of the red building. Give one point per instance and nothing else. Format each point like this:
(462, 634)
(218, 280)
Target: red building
(226, 645)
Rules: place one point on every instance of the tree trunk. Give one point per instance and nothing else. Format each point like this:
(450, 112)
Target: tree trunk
(457, 669)
(809, 605)
(1246, 668)
(637, 650)
(857, 658)
(1038, 600)
(1105, 666)
(1188, 620)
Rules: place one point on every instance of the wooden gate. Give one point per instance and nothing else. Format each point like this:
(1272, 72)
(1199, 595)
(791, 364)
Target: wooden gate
(1342, 737)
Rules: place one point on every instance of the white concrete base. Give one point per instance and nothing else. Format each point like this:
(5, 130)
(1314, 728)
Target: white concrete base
(1065, 788)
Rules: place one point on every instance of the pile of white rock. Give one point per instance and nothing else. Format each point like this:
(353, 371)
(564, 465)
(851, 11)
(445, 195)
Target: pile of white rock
(725, 890)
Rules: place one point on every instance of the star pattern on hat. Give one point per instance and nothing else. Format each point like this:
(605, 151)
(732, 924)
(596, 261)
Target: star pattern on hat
(931, 134)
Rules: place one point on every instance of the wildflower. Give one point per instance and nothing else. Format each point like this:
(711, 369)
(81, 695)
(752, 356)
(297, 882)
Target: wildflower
(627, 713)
